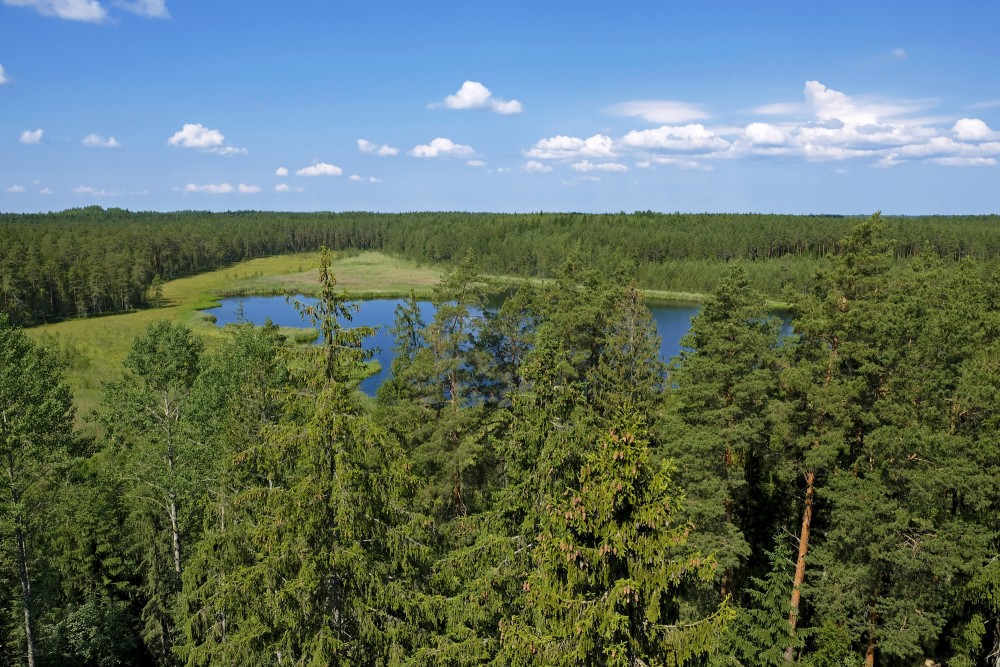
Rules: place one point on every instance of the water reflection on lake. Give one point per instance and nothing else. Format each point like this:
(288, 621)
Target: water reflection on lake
(672, 322)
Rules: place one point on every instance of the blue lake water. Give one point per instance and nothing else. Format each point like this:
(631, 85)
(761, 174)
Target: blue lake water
(672, 322)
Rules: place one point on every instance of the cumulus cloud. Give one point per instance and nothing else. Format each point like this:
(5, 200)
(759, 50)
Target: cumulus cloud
(659, 111)
(281, 171)
(196, 135)
(97, 141)
(474, 95)
(248, 189)
(764, 134)
(282, 187)
(210, 188)
(155, 9)
(3, 76)
(442, 147)
(563, 147)
(320, 169)
(829, 125)
(382, 151)
(17, 189)
(32, 136)
(88, 11)
(475, 163)
(536, 167)
(587, 165)
(683, 139)
(972, 129)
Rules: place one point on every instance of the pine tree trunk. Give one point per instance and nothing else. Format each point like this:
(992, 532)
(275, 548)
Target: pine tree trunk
(800, 565)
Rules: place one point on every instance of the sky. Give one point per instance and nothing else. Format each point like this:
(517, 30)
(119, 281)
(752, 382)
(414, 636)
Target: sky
(765, 107)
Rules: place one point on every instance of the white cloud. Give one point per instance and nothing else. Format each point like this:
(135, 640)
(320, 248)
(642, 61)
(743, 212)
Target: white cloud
(210, 188)
(94, 192)
(829, 104)
(3, 76)
(587, 165)
(45, 191)
(356, 178)
(17, 189)
(281, 187)
(898, 54)
(475, 163)
(248, 189)
(659, 111)
(97, 141)
(228, 150)
(32, 136)
(765, 134)
(441, 147)
(89, 11)
(780, 109)
(474, 95)
(964, 161)
(680, 163)
(682, 139)
(320, 169)
(155, 9)
(281, 171)
(535, 167)
(196, 135)
(972, 129)
(563, 147)
(890, 160)
(382, 151)
(829, 126)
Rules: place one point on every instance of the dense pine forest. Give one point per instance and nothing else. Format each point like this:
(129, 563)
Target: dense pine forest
(91, 261)
(532, 486)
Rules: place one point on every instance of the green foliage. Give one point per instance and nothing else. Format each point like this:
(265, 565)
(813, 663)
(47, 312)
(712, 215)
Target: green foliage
(36, 417)
(610, 565)
(529, 487)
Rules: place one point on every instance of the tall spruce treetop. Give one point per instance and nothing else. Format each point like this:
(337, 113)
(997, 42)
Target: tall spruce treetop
(611, 564)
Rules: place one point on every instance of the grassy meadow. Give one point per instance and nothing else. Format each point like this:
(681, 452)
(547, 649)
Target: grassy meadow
(94, 347)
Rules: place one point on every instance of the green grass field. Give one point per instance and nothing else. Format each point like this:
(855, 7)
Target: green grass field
(96, 346)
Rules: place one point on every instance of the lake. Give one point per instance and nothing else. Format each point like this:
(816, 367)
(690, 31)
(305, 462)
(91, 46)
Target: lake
(672, 321)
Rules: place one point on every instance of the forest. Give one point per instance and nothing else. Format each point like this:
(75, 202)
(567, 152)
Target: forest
(532, 486)
(92, 261)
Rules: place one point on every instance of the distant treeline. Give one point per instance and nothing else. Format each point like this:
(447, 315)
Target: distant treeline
(90, 260)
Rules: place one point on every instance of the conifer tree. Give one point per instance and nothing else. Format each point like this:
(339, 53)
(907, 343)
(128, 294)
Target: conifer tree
(722, 386)
(610, 565)
(333, 550)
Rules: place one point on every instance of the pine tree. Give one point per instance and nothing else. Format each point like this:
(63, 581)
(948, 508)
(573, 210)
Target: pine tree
(722, 387)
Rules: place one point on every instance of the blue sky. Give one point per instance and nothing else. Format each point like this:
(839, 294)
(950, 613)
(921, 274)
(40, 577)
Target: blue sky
(784, 107)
